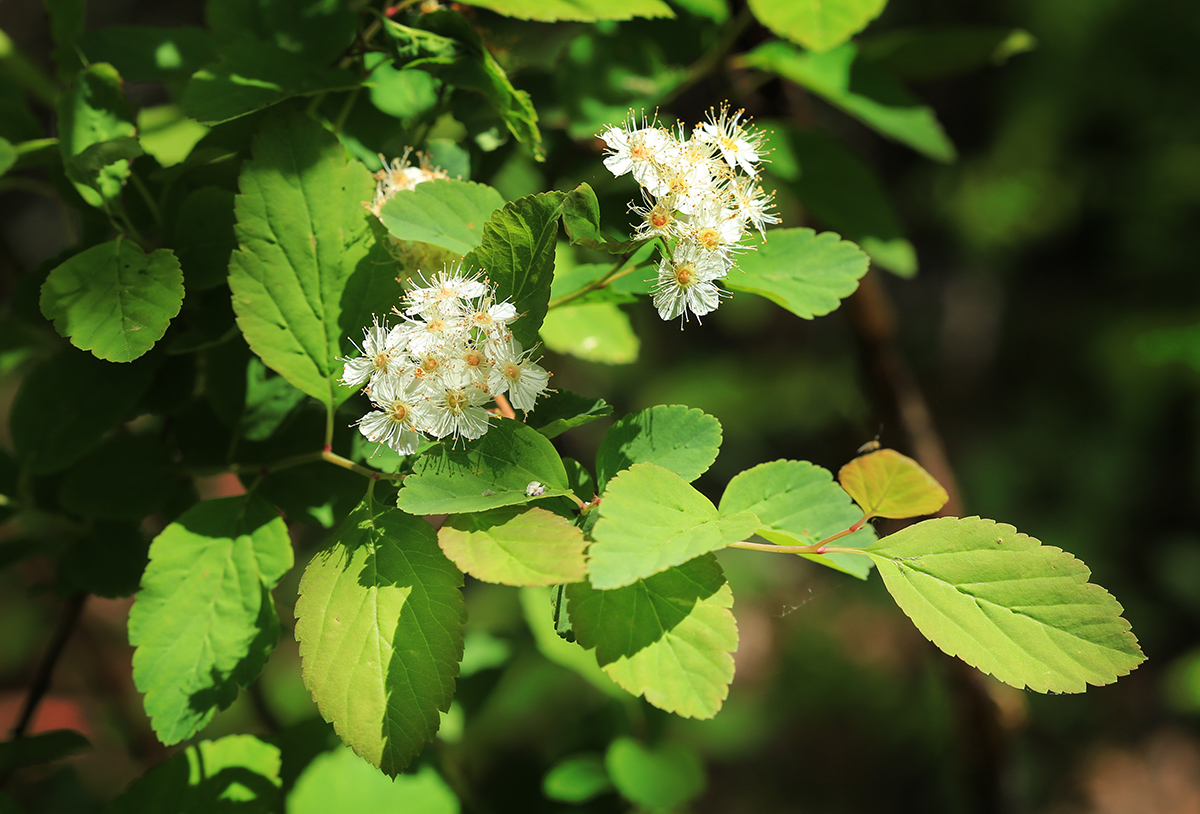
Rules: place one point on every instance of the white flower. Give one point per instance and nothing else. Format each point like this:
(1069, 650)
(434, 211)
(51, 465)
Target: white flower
(380, 355)
(398, 175)
(686, 282)
(516, 375)
(403, 407)
(445, 293)
(753, 204)
(640, 150)
(458, 408)
(738, 146)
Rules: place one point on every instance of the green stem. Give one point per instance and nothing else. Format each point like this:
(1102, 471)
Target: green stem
(711, 60)
(155, 212)
(614, 274)
(346, 463)
(776, 549)
(347, 106)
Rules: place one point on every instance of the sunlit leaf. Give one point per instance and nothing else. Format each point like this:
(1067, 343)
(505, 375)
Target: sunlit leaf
(885, 483)
(681, 439)
(113, 299)
(669, 638)
(798, 503)
(515, 546)
(204, 621)
(594, 332)
(341, 781)
(861, 89)
(91, 113)
(816, 24)
(579, 10)
(658, 779)
(805, 272)
(444, 212)
(650, 520)
(1006, 604)
(489, 472)
(380, 624)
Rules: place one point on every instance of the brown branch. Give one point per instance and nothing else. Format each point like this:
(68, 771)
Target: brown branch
(40, 683)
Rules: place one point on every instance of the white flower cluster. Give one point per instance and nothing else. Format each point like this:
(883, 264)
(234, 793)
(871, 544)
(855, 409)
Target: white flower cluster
(398, 174)
(701, 196)
(434, 373)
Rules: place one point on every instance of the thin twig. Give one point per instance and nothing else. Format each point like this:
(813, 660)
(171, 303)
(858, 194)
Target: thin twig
(40, 682)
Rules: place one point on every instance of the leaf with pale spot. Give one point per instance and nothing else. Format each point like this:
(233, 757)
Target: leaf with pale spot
(885, 483)
(515, 545)
(1006, 604)
(380, 623)
(669, 638)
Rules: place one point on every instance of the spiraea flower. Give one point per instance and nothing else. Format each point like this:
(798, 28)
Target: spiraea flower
(449, 356)
(701, 196)
(400, 174)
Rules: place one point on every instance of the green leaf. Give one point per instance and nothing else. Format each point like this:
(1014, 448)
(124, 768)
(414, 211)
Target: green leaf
(107, 561)
(236, 773)
(254, 76)
(581, 219)
(8, 155)
(341, 781)
(538, 611)
(798, 503)
(91, 112)
(587, 11)
(861, 89)
(44, 747)
(446, 213)
(515, 545)
(204, 238)
(1006, 604)
(650, 520)
(204, 620)
(167, 134)
(594, 332)
(885, 483)
(577, 779)
(805, 272)
(563, 410)
(148, 53)
(933, 52)
(517, 251)
(126, 478)
(659, 779)
(675, 437)
(380, 624)
(716, 10)
(308, 274)
(669, 638)
(113, 299)
(816, 24)
(319, 30)
(444, 44)
(843, 192)
(486, 473)
(50, 432)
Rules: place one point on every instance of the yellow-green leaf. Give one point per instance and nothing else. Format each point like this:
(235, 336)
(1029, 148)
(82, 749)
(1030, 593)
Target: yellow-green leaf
(887, 484)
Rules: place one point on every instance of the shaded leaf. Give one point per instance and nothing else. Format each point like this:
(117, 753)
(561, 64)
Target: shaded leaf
(380, 624)
(562, 410)
(316, 29)
(538, 611)
(203, 237)
(91, 112)
(126, 478)
(579, 10)
(650, 520)
(798, 503)
(204, 619)
(341, 781)
(576, 779)
(148, 53)
(659, 779)
(444, 212)
(681, 439)
(517, 251)
(108, 561)
(581, 219)
(861, 89)
(816, 24)
(113, 299)
(669, 638)
(931, 52)
(307, 274)
(885, 483)
(44, 747)
(8, 155)
(594, 332)
(486, 473)
(1006, 604)
(805, 272)
(515, 546)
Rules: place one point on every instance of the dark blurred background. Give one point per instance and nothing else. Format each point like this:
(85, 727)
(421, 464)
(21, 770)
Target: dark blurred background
(1052, 334)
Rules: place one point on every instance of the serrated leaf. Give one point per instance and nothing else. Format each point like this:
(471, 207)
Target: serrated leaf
(204, 610)
(650, 520)
(885, 483)
(51, 432)
(515, 546)
(254, 76)
(307, 274)
(44, 747)
(93, 111)
(341, 781)
(798, 503)
(380, 624)
(587, 11)
(931, 52)
(816, 24)
(658, 779)
(1006, 604)
(669, 638)
(444, 212)
(873, 97)
(486, 473)
(805, 272)
(517, 251)
(681, 439)
(843, 193)
(594, 332)
(563, 410)
(237, 772)
(113, 299)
